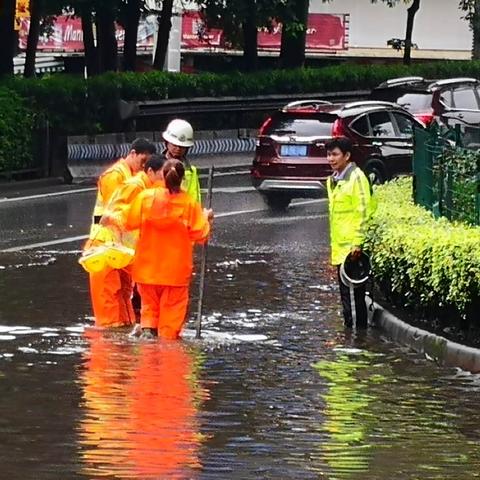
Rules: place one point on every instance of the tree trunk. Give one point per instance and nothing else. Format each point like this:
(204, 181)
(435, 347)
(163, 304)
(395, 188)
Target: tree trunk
(292, 50)
(106, 40)
(164, 27)
(250, 46)
(32, 41)
(411, 12)
(91, 54)
(476, 31)
(131, 32)
(7, 36)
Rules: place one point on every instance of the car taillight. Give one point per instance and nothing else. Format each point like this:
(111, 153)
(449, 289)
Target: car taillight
(426, 118)
(337, 128)
(265, 125)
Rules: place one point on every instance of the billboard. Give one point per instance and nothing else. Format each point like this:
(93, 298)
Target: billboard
(196, 35)
(324, 32)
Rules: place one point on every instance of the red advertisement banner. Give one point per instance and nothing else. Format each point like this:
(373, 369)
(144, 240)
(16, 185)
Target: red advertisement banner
(196, 35)
(67, 35)
(324, 32)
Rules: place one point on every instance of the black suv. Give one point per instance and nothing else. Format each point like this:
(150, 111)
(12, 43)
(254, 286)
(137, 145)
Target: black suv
(448, 102)
(291, 160)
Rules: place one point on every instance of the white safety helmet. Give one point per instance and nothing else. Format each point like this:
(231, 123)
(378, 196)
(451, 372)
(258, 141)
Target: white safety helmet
(179, 132)
(355, 272)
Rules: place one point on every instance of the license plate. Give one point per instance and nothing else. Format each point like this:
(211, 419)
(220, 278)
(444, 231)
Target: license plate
(293, 150)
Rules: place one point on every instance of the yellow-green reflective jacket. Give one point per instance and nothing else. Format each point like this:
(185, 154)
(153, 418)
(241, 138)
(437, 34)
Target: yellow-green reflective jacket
(350, 205)
(191, 183)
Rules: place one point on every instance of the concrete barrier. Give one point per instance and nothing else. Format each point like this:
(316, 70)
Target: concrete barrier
(441, 350)
(88, 160)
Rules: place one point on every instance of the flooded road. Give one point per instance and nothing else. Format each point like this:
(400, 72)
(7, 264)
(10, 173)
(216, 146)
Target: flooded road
(276, 389)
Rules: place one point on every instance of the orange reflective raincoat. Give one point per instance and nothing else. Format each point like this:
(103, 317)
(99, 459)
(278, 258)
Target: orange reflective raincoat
(162, 268)
(169, 225)
(110, 289)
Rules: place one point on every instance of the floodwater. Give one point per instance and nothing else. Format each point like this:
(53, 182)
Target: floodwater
(276, 389)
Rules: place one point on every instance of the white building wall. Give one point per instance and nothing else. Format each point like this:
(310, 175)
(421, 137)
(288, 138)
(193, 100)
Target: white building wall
(438, 23)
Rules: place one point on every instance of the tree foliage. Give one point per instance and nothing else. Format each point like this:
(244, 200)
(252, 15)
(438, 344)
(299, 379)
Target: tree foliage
(472, 15)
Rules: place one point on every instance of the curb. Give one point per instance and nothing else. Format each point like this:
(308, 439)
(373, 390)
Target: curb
(443, 351)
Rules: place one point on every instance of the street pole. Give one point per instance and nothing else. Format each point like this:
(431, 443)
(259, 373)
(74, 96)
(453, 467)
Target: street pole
(203, 264)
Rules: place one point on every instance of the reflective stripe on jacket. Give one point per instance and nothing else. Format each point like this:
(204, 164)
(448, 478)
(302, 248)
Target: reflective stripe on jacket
(191, 183)
(169, 224)
(350, 206)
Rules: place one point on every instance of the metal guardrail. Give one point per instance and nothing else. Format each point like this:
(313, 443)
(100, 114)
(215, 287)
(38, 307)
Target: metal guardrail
(181, 106)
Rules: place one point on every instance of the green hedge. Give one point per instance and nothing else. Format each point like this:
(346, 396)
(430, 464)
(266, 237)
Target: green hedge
(16, 126)
(428, 263)
(88, 106)
(77, 106)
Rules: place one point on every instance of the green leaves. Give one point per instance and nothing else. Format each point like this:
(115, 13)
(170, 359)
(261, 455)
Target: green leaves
(16, 125)
(428, 262)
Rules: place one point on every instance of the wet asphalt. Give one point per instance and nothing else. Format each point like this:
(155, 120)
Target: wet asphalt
(276, 388)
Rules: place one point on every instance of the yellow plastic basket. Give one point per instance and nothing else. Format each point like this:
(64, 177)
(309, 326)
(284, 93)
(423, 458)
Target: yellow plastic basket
(94, 259)
(118, 256)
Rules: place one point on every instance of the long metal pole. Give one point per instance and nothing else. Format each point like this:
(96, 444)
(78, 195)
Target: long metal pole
(203, 264)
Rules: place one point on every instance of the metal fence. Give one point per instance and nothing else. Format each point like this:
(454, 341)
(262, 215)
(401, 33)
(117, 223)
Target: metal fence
(446, 168)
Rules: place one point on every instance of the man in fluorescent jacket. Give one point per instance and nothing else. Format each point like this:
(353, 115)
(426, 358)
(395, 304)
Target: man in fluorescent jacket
(350, 206)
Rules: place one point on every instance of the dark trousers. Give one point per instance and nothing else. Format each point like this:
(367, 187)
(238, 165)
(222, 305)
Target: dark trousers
(360, 304)
(136, 300)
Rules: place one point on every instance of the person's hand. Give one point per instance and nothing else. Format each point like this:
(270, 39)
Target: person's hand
(209, 214)
(108, 220)
(355, 252)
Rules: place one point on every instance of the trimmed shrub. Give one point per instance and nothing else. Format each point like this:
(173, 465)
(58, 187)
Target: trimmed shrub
(16, 125)
(428, 263)
(88, 106)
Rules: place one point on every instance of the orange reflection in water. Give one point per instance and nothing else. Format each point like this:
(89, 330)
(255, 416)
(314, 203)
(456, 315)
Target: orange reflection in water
(140, 403)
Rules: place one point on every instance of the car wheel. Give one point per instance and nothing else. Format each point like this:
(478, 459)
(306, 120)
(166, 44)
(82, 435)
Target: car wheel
(375, 173)
(277, 202)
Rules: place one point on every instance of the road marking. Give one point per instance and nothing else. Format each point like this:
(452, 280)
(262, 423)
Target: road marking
(84, 237)
(44, 195)
(230, 190)
(92, 189)
(254, 210)
(226, 174)
(45, 244)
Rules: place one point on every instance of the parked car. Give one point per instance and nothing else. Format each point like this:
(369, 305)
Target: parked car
(448, 102)
(291, 160)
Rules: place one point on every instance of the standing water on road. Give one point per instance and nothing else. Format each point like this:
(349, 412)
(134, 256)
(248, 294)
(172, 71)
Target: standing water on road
(276, 389)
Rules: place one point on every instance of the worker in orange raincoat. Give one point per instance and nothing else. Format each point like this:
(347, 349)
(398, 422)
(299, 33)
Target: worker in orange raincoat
(170, 221)
(111, 289)
(117, 209)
